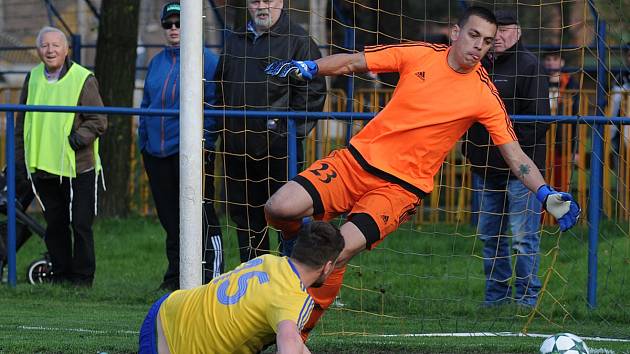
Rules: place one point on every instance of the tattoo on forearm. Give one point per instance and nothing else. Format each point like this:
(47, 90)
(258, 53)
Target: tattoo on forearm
(523, 170)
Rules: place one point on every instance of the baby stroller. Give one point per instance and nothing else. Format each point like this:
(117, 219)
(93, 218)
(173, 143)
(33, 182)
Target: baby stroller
(40, 270)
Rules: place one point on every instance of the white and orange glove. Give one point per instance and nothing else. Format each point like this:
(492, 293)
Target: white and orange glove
(561, 205)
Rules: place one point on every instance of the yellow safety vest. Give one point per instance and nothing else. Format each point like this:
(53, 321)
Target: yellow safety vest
(46, 145)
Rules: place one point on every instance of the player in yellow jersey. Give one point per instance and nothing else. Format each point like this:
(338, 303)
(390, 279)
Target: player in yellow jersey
(242, 311)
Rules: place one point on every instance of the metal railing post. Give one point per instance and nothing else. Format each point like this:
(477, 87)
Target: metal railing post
(597, 164)
(286, 246)
(76, 48)
(292, 140)
(348, 44)
(10, 178)
(217, 14)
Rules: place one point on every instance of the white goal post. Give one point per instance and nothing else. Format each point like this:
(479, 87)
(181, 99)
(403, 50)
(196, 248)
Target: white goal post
(190, 142)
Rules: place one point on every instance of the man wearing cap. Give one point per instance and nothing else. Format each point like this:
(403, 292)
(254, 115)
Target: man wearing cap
(503, 200)
(158, 139)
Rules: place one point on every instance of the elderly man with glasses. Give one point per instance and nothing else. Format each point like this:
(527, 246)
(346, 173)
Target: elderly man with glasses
(256, 150)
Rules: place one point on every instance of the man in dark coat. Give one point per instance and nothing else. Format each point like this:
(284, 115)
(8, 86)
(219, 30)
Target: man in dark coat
(504, 201)
(255, 149)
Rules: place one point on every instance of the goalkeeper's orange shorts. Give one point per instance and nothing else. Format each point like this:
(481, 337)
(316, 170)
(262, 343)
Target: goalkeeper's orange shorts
(338, 184)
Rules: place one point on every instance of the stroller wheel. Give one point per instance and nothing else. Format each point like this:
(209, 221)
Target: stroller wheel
(40, 271)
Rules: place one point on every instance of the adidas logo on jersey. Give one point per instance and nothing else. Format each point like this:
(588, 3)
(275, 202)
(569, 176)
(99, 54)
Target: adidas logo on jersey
(420, 74)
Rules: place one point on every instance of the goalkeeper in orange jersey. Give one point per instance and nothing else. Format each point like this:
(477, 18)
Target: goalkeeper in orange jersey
(261, 301)
(389, 166)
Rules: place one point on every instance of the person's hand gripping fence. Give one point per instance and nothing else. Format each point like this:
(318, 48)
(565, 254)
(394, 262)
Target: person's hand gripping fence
(561, 205)
(301, 70)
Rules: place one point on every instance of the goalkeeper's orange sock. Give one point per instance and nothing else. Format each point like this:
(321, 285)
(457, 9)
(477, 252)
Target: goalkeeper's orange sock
(323, 298)
(289, 228)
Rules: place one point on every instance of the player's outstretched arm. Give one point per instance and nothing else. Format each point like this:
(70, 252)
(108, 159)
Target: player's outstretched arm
(331, 65)
(559, 204)
(288, 339)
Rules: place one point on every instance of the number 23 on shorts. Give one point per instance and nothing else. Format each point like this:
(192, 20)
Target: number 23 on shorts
(324, 173)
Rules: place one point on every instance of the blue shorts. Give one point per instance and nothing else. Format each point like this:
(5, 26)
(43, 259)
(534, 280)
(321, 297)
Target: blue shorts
(148, 332)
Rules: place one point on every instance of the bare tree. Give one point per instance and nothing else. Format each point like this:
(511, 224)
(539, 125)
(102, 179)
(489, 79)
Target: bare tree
(115, 71)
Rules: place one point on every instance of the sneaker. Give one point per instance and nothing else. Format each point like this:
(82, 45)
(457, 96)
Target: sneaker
(525, 306)
(496, 303)
(338, 303)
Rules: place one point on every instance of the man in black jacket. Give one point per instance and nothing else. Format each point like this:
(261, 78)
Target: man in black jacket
(504, 200)
(255, 149)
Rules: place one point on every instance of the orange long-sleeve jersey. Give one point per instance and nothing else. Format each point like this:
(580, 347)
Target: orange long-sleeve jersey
(431, 108)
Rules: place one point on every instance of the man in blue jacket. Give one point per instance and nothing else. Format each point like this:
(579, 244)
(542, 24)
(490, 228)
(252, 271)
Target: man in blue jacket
(158, 138)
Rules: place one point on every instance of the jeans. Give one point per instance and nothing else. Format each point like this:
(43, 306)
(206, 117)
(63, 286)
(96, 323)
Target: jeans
(514, 206)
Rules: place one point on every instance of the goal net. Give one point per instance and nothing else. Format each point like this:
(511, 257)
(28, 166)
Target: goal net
(428, 277)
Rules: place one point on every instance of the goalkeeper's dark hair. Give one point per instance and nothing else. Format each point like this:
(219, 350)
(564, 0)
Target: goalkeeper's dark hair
(317, 243)
(479, 12)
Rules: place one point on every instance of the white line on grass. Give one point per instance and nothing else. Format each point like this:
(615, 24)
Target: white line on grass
(494, 334)
(471, 334)
(60, 329)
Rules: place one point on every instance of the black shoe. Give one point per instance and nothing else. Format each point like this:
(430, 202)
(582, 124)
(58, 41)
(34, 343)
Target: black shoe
(61, 278)
(82, 282)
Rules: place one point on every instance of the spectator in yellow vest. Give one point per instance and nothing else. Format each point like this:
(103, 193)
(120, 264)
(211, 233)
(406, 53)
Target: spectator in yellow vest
(58, 152)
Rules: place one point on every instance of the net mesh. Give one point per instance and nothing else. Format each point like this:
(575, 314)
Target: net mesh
(428, 276)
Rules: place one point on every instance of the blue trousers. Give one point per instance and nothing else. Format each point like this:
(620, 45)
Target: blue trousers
(501, 205)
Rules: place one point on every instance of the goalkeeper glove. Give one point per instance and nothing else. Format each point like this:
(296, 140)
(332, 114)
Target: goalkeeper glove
(561, 205)
(301, 70)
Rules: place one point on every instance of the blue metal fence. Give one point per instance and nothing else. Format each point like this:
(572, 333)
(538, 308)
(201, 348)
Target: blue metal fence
(596, 163)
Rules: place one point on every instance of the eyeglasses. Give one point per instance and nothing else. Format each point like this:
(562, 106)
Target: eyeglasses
(169, 24)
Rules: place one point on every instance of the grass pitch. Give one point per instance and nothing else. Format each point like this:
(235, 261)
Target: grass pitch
(421, 280)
